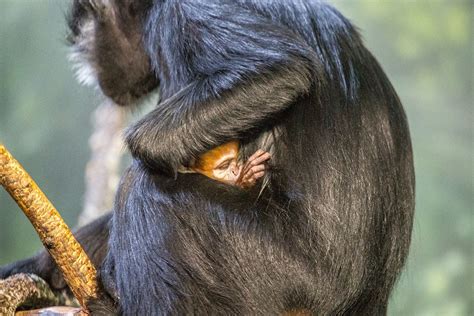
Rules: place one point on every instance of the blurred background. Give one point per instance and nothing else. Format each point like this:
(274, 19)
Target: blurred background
(425, 46)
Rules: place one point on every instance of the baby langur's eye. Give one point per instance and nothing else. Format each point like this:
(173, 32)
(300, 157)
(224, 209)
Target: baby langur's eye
(224, 165)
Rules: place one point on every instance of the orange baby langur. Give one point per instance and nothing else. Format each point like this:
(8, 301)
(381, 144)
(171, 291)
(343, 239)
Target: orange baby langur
(221, 164)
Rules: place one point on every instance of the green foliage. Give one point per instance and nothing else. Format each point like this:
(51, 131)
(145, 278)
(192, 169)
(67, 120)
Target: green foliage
(426, 48)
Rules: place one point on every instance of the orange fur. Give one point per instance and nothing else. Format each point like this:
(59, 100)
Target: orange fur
(208, 161)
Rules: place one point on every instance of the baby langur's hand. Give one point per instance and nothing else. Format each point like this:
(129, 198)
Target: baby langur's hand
(253, 169)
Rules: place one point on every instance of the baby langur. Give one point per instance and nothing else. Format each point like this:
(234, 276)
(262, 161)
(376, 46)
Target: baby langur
(221, 164)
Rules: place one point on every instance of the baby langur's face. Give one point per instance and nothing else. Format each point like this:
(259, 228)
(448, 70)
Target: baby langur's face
(227, 169)
(221, 163)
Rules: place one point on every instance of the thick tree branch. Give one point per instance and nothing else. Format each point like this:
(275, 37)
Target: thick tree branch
(76, 267)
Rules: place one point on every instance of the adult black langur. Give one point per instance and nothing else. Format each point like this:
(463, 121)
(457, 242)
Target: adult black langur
(327, 229)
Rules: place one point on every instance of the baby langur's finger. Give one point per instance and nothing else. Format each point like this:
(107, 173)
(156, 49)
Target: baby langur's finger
(256, 159)
(259, 165)
(258, 175)
(252, 171)
(255, 155)
(260, 159)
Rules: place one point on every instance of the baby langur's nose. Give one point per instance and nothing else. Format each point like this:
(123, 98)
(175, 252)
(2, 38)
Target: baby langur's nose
(235, 169)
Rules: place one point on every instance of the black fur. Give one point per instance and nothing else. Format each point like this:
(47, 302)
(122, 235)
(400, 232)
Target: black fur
(106, 36)
(327, 231)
